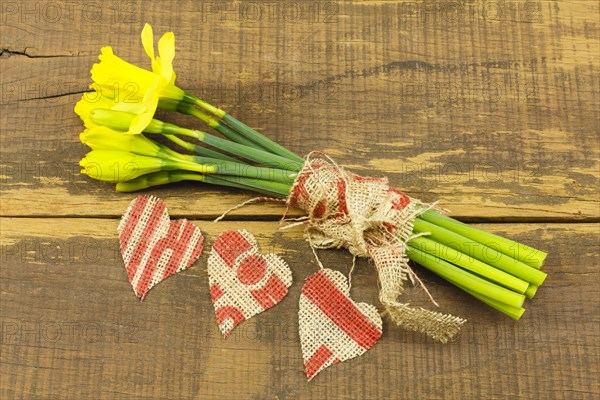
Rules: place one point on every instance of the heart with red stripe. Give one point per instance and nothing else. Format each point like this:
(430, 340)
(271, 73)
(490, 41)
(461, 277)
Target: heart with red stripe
(332, 326)
(243, 282)
(152, 246)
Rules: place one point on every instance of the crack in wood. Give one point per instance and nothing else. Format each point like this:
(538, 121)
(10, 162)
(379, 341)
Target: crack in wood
(416, 65)
(54, 96)
(7, 53)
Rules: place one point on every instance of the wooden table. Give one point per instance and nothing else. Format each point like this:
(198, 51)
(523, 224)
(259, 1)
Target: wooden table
(489, 107)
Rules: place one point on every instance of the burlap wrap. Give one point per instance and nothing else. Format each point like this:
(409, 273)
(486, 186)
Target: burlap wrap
(373, 220)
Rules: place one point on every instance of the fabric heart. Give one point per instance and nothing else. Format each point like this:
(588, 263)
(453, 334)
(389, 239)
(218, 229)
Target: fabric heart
(242, 281)
(152, 246)
(333, 327)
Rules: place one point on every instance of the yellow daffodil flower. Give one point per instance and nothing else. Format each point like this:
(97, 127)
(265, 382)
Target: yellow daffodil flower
(86, 107)
(122, 86)
(118, 166)
(103, 138)
(117, 120)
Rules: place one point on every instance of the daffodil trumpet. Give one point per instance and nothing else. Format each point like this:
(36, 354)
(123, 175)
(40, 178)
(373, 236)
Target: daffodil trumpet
(131, 88)
(500, 272)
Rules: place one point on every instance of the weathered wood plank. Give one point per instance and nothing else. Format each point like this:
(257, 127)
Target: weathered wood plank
(490, 108)
(71, 325)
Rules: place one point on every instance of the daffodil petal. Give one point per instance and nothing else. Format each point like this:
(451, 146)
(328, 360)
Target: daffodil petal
(148, 40)
(83, 108)
(166, 49)
(112, 73)
(131, 107)
(143, 118)
(90, 101)
(121, 86)
(140, 122)
(148, 43)
(106, 51)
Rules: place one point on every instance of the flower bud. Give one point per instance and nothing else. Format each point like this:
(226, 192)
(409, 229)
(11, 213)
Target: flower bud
(104, 138)
(119, 120)
(119, 166)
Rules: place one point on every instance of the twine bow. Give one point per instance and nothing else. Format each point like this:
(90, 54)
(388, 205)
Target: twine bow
(372, 220)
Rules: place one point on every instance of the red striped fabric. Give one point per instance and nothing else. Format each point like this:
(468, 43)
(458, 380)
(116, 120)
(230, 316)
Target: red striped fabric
(317, 360)
(153, 247)
(342, 311)
(333, 327)
(243, 282)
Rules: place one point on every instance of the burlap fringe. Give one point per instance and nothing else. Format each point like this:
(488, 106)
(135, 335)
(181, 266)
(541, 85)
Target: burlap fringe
(371, 220)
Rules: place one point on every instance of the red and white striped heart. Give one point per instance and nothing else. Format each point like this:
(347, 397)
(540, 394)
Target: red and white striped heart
(242, 281)
(333, 327)
(152, 246)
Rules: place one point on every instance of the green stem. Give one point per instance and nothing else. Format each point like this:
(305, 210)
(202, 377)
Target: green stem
(191, 99)
(247, 171)
(166, 177)
(245, 130)
(481, 252)
(252, 154)
(264, 141)
(274, 189)
(211, 165)
(218, 126)
(469, 263)
(518, 251)
(249, 153)
(513, 312)
(147, 181)
(199, 150)
(531, 291)
(463, 278)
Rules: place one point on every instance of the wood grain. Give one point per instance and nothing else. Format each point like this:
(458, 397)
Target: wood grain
(491, 118)
(71, 324)
(490, 107)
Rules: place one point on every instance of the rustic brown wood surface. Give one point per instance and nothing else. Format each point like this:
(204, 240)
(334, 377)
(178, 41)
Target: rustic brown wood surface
(490, 107)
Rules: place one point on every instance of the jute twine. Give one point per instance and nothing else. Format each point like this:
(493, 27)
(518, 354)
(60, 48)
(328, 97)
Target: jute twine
(373, 220)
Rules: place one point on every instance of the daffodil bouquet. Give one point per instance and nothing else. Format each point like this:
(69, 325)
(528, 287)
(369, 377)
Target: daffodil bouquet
(343, 209)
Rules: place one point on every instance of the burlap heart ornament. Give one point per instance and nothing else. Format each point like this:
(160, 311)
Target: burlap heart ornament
(332, 326)
(153, 247)
(243, 282)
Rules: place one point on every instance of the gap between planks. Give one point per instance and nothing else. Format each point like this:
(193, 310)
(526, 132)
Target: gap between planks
(276, 218)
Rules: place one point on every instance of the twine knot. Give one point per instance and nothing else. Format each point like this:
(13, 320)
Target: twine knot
(373, 220)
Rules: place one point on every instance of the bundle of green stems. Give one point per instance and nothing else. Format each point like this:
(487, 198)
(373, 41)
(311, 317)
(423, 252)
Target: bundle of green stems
(500, 272)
